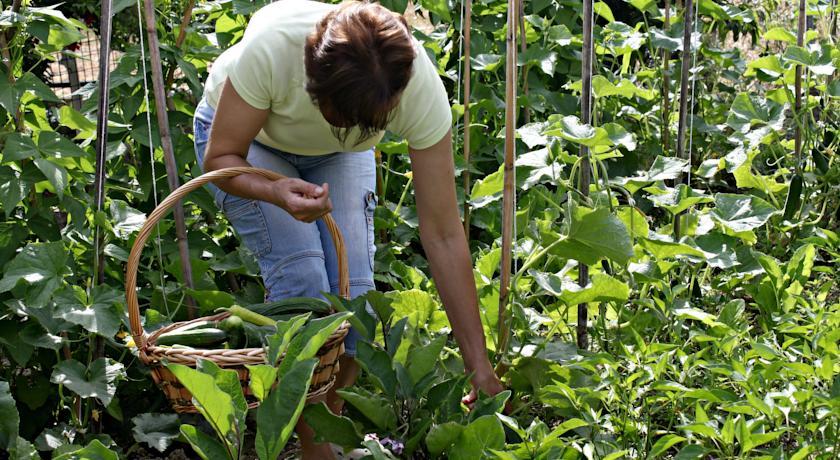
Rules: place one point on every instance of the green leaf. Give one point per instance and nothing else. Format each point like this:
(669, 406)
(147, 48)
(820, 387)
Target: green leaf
(677, 200)
(741, 213)
(544, 59)
(377, 364)
(560, 35)
(439, 7)
(571, 129)
(227, 380)
(40, 265)
(441, 437)
(54, 145)
(490, 185)
(98, 381)
(329, 427)
(10, 419)
(376, 408)
(278, 414)
(781, 34)
(96, 313)
(748, 112)
(478, 439)
(310, 339)
(93, 451)
(603, 10)
(601, 288)
(19, 147)
(204, 445)
(663, 444)
(422, 358)
(55, 174)
(663, 249)
(125, 219)
(12, 192)
(488, 62)
(30, 82)
(156, 430)
(262, 378)
(279, 342)
(73, 119)
(214, 404)
(397, 6)
(594, 234)
(719, 249)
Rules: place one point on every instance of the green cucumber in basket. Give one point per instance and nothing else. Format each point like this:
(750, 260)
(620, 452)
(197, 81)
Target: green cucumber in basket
(255, 336)
(234, 327)
(250, 316)
(200, 338)
(293, 306)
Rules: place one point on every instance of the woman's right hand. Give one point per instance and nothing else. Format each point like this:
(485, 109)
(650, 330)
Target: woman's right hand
(305, 201)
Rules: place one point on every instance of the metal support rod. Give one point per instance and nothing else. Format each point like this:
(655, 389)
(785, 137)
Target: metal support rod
(467, 123)
(508, 192)
(797, 133)
(684, 96)
(666, 87)
(523, 47)
(166, 144)
(585, 166)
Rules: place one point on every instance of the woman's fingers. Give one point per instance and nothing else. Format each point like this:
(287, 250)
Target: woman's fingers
(305, 201)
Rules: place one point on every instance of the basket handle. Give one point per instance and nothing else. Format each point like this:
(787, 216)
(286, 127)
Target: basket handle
(137, 331)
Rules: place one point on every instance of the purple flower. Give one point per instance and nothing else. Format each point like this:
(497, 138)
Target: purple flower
(394, 446)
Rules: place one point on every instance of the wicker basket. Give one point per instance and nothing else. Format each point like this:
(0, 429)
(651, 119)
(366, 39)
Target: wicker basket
(154, 356)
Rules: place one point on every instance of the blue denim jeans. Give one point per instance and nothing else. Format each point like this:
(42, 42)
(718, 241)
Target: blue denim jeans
(298, 259)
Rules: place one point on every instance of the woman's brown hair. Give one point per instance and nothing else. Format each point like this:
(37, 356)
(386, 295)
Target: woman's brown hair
(358, 61)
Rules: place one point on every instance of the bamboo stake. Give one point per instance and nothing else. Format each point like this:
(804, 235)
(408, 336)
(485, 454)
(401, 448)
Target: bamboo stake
(797, 133)
(467, 123)
(686, 59)
(508, 193)
(179, 41)
(585, 167)
(166, 144)
(666, 87)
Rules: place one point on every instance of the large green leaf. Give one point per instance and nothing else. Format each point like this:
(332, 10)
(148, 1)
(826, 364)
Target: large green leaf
(373, 406)
(441, 437)
(742, 213)
(98, 381)
(310, 339)
(18, 147)
(56, 174)
(96, 313)
(125, 220)
(215, 405)
(601, 288)
(204, 445)
(262, 378)
(573, 130)
(749, 112)
(157, 430)
(422, 358)
(278, 414)
(93, 451)
(40, 265)
(478, 439)
(227, 380)
(377, 364)
(678, 199)
(594, 234)
(333, 428)
(10, 419)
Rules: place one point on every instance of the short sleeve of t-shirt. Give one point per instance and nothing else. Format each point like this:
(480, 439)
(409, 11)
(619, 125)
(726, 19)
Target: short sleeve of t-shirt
(251, 73)
(423, 115)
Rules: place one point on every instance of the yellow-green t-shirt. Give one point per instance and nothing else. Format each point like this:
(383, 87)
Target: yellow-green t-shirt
(267, 70)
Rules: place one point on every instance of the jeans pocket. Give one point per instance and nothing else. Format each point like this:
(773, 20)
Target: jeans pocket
(248, 220)
(370, 207)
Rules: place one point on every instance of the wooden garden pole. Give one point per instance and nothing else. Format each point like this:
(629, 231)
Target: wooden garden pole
(797, 133)
(686, 59)
(508, 193)
(585, 167)
(666, 87)
(467, 79)
(179, 41)
(166, 144)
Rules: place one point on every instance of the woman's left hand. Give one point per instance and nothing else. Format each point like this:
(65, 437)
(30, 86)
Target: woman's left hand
(489, 384)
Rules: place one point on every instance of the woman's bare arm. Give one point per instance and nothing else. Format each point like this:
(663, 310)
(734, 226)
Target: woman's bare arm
(449, 257)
